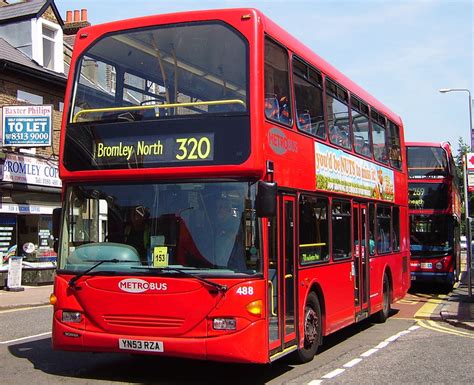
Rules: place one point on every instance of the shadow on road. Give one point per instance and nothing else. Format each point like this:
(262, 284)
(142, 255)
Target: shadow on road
(142, 369)
(161, 370)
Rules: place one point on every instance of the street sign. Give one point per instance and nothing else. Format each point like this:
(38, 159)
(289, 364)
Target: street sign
(27, 126)
(470, 161)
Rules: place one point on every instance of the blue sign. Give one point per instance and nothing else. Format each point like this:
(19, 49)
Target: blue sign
(27, 126)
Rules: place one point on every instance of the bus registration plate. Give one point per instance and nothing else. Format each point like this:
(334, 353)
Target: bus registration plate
(140, 345)
(426, 265)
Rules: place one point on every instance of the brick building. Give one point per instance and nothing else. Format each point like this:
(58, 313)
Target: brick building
(35, 51)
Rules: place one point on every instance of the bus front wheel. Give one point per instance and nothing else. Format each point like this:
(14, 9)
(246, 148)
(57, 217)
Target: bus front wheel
(312, 329)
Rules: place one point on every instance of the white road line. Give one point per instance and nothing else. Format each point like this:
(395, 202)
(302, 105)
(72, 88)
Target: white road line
(333, 374)
(352, 363)
(366, 354)
(393, 338)
(369, 352)
(381, 345)
(24, 338)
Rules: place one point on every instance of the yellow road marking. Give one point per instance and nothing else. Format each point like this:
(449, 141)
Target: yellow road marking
(431, 325)
(23, 309)
(428, 308)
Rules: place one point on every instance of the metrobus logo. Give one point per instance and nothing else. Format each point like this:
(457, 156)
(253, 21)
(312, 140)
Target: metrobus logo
(135, 285)
(279, 143)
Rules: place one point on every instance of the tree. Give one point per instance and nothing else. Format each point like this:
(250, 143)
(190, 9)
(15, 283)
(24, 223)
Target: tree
(463, 149)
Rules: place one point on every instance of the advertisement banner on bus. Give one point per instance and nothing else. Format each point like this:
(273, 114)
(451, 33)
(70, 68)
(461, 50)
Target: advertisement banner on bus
(337, 171)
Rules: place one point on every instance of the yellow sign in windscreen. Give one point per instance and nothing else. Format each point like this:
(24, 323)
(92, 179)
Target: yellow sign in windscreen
(160, 256)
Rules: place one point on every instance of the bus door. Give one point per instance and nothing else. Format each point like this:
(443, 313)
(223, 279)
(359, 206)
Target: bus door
(360, 267)
(281, 280)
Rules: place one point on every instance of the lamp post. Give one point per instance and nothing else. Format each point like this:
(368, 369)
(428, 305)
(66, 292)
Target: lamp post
(466, 196)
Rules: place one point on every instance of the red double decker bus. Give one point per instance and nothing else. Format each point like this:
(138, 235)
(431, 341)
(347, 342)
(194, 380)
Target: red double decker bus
(435, 213)
(228, 195)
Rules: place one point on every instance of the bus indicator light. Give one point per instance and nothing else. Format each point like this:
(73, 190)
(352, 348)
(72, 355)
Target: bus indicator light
(255, 307)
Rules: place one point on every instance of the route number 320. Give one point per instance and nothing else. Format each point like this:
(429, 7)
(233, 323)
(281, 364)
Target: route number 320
(193, 148)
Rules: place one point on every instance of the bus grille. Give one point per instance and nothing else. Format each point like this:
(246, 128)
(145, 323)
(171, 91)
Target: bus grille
(143, 321)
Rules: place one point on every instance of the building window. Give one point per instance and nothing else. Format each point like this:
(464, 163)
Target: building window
(48, 48)
(28, 97)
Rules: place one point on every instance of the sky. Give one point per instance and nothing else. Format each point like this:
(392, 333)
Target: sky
(400, 51)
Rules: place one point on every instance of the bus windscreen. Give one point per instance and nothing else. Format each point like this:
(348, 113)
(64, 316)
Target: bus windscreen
(427, 162)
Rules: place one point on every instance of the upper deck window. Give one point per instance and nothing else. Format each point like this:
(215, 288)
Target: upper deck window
(360, 127)
(393, 139)
(309, 99)
(378, 137)
(277, 83)
(427, 162)
(338, 115)
(173, 70)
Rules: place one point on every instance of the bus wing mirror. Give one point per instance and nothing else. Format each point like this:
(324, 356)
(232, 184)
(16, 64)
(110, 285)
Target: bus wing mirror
(266, 199)
(56, 222)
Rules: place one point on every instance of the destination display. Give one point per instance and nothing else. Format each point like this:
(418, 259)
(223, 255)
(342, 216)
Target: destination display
(340, 172)
(169, 149)
(428, 196)
(166, 142)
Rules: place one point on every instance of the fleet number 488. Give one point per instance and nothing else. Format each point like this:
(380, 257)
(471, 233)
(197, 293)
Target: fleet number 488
(193, 148)
(245, 290)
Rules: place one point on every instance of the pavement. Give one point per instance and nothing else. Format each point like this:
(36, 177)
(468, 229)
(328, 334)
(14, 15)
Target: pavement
(457, 309)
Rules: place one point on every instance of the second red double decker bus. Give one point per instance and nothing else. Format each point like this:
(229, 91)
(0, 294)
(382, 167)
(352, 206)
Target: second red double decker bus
(228, 195)
(435, 213)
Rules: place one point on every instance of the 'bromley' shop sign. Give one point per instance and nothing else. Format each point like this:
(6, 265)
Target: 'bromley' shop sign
(29, 170)
(27, 126)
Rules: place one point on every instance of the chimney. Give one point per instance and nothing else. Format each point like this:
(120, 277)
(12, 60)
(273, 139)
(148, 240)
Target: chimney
(75, 20)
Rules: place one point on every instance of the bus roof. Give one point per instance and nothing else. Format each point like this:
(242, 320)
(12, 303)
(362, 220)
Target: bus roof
(428, 144)
(269, 26)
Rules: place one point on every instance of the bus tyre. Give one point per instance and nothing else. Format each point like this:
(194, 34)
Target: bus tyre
(382, 315)
(312, 329)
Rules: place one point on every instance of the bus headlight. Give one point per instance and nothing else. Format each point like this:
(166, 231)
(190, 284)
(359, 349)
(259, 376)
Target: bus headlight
(71, 316)
(439, 265)
(224, 323)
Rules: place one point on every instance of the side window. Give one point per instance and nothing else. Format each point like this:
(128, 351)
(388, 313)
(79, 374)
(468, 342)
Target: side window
(383, 229)
(396, 229)
(378, 137)
(313, 230)
(341, 229)
(338, 115)
(309, 99)
(372, 221)
(360, 128)
(277, 85)
(393, 139)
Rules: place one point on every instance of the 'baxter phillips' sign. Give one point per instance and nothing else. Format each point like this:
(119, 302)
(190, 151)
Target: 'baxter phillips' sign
(27, 126)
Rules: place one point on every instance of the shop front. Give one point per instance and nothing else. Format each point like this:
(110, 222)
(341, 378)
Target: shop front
(31, 189)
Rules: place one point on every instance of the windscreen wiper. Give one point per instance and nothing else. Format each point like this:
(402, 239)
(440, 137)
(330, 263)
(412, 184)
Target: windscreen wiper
(218, 286)
(72, 281)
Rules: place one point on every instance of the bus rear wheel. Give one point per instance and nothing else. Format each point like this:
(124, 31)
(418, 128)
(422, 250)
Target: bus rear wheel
(382, 315)
(312, 329)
